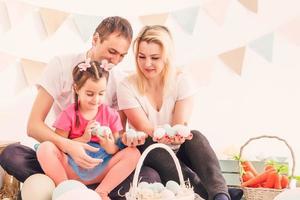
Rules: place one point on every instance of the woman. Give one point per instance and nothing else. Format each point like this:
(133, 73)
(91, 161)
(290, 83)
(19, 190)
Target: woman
(158, 94)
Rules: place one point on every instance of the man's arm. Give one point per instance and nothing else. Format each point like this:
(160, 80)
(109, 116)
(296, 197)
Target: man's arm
(37, 129)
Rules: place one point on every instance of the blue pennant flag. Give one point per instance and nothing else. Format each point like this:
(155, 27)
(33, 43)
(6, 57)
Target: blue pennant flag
(264, 46)
(186, 18)
(86, 25)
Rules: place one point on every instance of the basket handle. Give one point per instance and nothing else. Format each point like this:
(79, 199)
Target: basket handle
(145, 153)
(272, 137)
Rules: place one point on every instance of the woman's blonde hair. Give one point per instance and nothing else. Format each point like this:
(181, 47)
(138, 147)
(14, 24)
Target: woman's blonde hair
(159, 35)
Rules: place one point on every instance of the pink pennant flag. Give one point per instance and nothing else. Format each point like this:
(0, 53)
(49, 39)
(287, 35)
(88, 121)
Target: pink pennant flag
(217, 10)
(251, 5)
(234, 59)
(6, 60)
(291, 31)
(201, 70)
(159, 19)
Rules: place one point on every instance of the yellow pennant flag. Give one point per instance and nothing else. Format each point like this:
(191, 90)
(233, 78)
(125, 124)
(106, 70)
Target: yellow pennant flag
(32, 70)
(234, 59)
(250, 5)
(159, 19)
(52, 19)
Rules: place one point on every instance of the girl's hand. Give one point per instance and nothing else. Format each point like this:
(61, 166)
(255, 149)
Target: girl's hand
(87, 135)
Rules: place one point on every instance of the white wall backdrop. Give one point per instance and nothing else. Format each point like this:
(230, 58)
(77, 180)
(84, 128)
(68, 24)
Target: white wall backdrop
(243, 54)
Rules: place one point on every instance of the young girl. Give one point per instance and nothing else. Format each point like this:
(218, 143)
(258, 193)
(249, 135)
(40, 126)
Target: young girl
(78, 122)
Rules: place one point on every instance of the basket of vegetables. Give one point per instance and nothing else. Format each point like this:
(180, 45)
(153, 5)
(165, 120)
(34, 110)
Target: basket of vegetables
(267, 184)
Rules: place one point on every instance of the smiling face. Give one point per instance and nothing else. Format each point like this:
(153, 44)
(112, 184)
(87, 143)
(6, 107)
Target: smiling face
(91, 94)
(113, 48)
(150, 59)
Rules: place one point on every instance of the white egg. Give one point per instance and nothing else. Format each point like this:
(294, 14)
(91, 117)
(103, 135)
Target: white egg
(104, 130)
(159, 133)
(143, 185)
(131, 134)
(167, 195)
(157, 187)
(173, 186)
(141, 134)
(96, 129)
(182, 130)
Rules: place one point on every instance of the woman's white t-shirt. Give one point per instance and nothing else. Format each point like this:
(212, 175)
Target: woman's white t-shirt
(129, 97)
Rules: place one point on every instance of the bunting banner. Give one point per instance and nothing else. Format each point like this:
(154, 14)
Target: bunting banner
(6, 60)
(159, 19)
(234, 59)
(52, 19)
(251, 5)
(201, 70)
(217, 10)
(264, 46)
(291, 31)
(186, 18)
(18, 11)
(4, 18)
(32, 70)
(86, 25)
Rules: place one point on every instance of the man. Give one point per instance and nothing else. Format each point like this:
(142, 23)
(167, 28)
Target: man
(110, 41)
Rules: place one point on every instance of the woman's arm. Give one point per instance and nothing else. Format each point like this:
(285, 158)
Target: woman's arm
(183, 111)
(139, 120)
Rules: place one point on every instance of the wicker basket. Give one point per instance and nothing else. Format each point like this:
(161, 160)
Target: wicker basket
(135, 194)
(263, 193)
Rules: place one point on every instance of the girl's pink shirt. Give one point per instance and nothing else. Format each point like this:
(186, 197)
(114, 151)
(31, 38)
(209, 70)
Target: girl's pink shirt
(106, 116)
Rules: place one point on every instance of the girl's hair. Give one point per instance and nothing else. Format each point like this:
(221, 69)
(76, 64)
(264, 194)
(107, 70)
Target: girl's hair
(159, 35)
(94, 72)
(114, 24)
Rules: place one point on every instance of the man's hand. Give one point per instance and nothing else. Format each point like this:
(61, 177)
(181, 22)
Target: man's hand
(77, 151)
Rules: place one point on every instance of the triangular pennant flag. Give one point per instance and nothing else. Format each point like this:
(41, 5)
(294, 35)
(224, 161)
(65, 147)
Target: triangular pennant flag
(264, 46)
(32, 70)
(217, 10)
(159, 19)
(234, 59)
(201, 70)
(86, 25)
(6, 60)
(291, 31)
(52, 19)
(250, 5)
(18, 11)
(186, 18)
(4, 18)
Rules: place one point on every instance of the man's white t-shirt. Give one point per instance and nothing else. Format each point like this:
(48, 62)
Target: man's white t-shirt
(57, 81)
(129, 97)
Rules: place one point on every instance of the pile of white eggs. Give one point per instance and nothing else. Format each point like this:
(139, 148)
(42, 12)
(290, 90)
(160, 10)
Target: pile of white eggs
(132, 134)
(158, 191)
(101, 131)
(170, 132)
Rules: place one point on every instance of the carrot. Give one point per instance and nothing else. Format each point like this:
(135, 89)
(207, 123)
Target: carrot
(260, 178)
(269, 166)
(247, 166)
(284, 181)
(270, 180)
(277, 183)
(247, 176)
